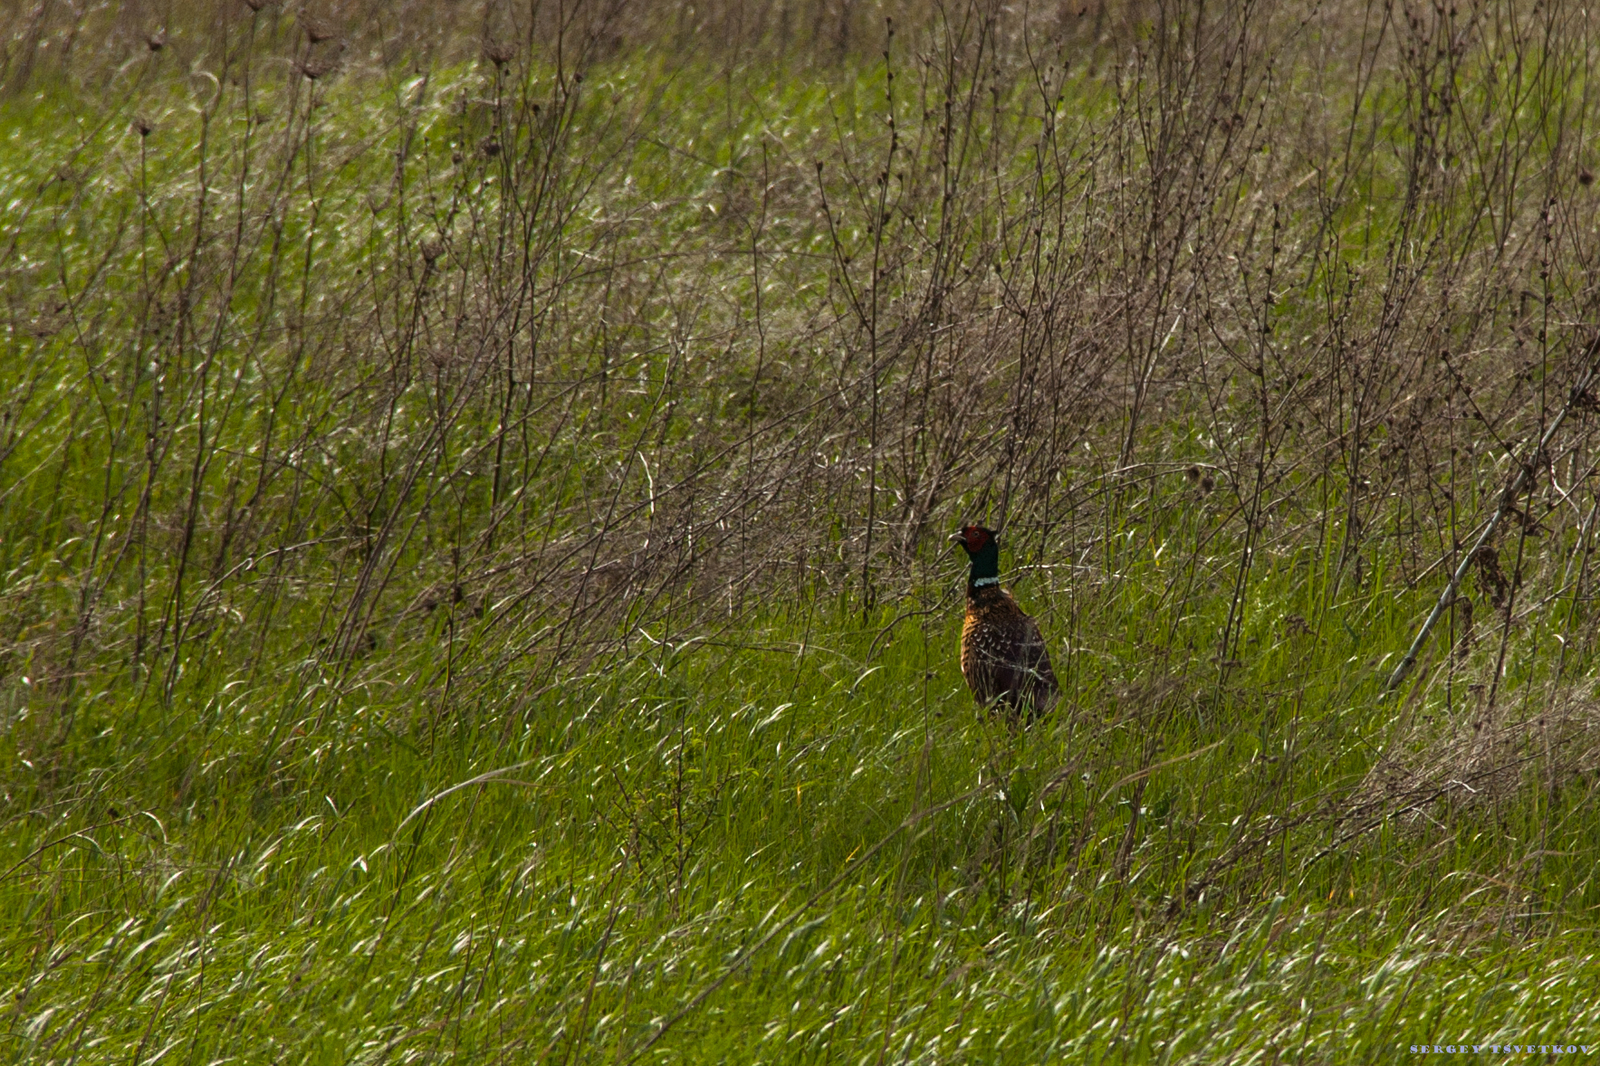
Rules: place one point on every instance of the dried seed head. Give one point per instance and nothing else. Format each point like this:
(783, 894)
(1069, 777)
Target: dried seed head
(498, 53)
(1193, 474)
(143, 125)
(1585, 177)
(156, 41)
(318, 31)
(432, 249)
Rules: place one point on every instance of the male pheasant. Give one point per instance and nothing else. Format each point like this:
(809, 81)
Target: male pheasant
(1003, 656)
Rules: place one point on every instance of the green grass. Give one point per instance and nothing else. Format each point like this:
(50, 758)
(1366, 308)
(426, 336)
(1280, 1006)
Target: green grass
(436, 617)
(709, 823)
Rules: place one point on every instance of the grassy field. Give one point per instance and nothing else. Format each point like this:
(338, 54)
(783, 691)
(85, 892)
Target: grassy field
(473, 499)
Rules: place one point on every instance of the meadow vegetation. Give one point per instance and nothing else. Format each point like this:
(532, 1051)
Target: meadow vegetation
(474, 481)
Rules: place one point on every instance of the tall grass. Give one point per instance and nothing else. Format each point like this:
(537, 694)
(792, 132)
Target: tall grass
(472, 511)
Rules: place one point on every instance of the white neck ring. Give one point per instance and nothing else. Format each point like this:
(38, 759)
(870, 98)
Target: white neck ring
(982, 581)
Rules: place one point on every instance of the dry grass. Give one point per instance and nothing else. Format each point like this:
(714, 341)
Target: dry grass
(1481, 762)
(1032, 278)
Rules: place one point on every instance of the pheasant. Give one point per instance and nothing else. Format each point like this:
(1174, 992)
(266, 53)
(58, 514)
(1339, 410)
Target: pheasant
(1003, 656)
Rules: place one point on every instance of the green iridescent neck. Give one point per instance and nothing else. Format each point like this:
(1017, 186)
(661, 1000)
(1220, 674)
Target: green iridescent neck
(985, 563)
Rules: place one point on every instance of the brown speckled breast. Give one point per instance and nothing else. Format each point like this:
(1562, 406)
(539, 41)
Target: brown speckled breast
(1003, 655)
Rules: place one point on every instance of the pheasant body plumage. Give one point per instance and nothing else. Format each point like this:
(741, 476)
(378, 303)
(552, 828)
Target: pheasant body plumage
(1003, 654)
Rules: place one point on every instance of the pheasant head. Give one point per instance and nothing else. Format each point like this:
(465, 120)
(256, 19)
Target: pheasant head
(983, 549)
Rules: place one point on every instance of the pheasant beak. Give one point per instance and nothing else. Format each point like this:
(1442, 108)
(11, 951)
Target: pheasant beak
(958, 537)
